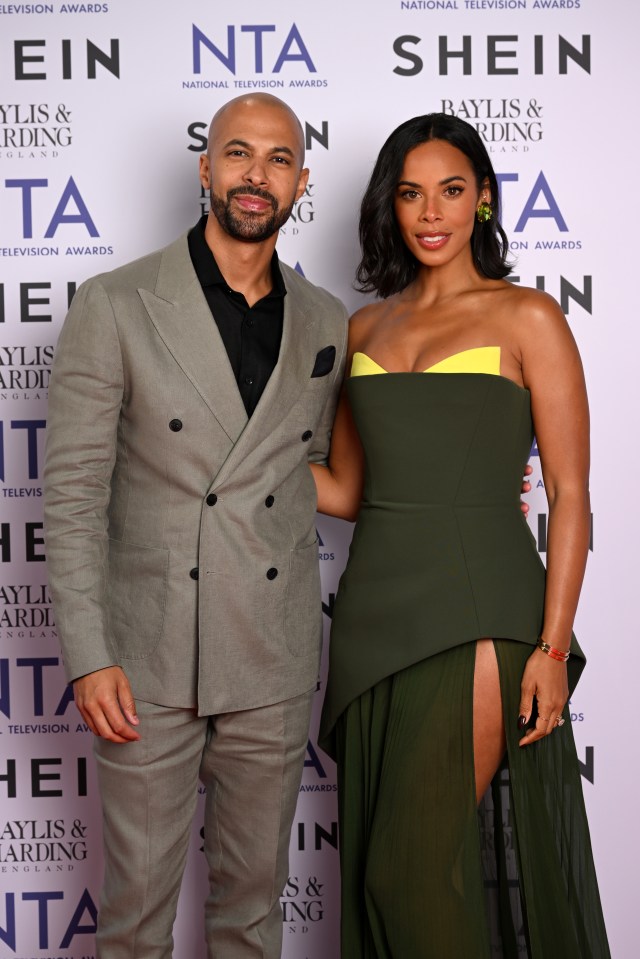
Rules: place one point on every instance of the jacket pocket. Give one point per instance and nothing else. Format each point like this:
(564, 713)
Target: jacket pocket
(303, 609)
(137, 597)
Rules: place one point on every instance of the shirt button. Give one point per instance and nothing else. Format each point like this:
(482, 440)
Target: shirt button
(194, 573)
(272, 573)
(212, 499)
(306, 436)
(269, 502)
(249, 322)
(175, 426)
(248, 380)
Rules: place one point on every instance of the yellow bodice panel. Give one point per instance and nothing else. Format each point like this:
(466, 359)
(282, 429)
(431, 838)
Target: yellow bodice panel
(482, 359)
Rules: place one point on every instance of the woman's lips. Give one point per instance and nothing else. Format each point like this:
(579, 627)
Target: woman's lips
(432, 241)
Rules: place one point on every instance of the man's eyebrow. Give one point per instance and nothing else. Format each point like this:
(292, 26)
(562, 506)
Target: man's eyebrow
(286, 150)
(247, 146)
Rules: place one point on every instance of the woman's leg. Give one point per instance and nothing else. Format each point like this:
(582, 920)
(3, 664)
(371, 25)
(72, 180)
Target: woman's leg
(489, 742)
(411, 857)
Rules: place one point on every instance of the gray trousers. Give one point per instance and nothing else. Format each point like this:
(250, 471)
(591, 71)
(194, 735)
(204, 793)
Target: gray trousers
(251, 764)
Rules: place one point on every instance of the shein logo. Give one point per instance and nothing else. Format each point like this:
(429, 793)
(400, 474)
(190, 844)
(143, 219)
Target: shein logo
(26, 61)
(502, 55)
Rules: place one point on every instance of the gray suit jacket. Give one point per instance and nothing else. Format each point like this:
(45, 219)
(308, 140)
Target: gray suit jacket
(181, 538)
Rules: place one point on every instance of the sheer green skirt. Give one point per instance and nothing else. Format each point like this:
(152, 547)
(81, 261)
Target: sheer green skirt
(428, 875)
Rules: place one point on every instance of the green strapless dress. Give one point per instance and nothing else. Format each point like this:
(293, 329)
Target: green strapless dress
(441, 556)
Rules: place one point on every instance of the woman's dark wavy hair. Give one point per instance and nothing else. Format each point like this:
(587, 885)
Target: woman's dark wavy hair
(387, 266)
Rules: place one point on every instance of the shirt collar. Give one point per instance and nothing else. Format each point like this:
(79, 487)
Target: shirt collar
(208, 271)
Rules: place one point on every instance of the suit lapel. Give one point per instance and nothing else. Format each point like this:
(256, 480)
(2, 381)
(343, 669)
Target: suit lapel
(289, 378)
(182, 318)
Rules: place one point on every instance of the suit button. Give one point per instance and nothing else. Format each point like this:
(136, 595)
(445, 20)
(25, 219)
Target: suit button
(306, 436)
(212, 499)
(194, 573)
(269, 502)
(272, 573)
(175, 426)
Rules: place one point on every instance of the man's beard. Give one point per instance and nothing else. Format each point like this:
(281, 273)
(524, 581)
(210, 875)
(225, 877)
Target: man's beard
(246, 225)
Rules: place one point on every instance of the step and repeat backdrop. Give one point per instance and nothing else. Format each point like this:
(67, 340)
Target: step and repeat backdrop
(104, 109)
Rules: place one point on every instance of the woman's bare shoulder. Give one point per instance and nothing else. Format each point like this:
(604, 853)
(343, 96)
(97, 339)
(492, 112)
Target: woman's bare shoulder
(546, 347)
(526, 317)
(364, 321)
(534, 308)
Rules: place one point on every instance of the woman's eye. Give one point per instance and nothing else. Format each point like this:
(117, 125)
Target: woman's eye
(409, 194)
(453, 190)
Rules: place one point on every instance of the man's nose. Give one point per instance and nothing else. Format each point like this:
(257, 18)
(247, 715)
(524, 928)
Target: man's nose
(257, 173)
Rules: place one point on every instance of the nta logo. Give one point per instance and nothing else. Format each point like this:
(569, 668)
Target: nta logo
(293, 49)
(70, 197)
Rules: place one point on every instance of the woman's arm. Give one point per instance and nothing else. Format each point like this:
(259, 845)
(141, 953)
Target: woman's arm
(552, 371)
(339, 483)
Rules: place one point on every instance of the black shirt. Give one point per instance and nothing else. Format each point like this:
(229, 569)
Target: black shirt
(251, 334)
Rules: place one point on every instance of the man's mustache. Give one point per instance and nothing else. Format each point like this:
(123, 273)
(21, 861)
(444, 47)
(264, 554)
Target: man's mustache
(253, 191)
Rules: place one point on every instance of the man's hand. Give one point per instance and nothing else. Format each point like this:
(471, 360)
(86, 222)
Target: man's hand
(106, 703)
(526, 488)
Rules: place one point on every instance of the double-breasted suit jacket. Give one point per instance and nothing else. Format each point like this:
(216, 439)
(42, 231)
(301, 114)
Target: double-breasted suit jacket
(180, 534)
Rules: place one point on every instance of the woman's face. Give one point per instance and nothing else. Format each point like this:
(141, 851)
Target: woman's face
(436, 202)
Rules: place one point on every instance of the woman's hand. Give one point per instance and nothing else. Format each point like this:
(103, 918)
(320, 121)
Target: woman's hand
(545, 679)
(526, 488)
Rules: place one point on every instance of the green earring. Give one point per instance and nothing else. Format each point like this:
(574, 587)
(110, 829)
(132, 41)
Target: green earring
(484, 213)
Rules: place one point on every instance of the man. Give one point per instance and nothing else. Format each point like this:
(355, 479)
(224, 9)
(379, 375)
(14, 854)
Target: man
(189, 391)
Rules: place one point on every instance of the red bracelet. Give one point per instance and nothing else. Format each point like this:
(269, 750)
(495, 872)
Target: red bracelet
(559, 655)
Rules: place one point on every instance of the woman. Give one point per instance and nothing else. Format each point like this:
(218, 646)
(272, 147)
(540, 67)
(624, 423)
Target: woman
(449, 668)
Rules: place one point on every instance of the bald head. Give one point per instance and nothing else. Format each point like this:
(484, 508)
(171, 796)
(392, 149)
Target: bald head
(259, 108)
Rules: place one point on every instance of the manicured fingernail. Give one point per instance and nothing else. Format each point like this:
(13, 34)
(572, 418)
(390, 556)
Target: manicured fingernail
(522, 722)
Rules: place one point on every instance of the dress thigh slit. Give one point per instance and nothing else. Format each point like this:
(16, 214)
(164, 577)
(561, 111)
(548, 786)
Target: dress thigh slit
(427, 874)
(412, 877)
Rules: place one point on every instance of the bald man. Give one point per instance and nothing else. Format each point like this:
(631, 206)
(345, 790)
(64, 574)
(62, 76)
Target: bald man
(190, 390)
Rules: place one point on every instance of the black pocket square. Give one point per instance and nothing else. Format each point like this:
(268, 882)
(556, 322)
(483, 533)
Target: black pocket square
(324, 361)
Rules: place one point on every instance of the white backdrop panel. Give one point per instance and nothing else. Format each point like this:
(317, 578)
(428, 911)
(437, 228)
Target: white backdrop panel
(102, 114)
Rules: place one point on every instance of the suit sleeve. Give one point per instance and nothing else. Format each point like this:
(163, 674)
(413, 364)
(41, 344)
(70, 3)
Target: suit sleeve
(85, 396)
(319, 452)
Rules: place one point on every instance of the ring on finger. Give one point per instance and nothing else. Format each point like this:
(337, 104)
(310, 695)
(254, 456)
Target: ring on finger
(560, 721)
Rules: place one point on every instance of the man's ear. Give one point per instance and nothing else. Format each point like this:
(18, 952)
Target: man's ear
(204, 171)
(303, 179)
